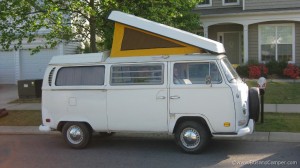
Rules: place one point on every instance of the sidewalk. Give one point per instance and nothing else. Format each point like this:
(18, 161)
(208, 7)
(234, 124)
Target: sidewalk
(10, 93)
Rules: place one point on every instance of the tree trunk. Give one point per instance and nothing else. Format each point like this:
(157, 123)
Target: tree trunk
(93, 46)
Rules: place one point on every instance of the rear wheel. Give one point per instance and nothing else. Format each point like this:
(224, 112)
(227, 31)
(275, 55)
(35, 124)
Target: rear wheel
(77, 135)
(192, 137)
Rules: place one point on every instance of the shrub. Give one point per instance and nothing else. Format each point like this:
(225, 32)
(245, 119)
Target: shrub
(276, 68)
(242, 70)
(256, 71)
(291, 71)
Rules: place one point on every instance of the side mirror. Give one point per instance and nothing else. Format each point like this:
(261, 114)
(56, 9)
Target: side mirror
(262, 84)
(208, 80)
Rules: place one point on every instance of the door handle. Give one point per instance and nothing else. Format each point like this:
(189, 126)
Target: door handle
(174, 97)
(161, 97)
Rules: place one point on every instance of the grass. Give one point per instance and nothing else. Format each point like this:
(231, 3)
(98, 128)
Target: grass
(34, 100)
(279, 122)
(22, 118)
(280, 92)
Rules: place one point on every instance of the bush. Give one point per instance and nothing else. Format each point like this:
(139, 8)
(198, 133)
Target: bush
(291, 71)
(256, 71)
(242, 70)
(276, 68)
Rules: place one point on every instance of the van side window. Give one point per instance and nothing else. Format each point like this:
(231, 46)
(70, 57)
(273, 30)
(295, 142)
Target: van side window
(140, 74)
(80, 75)
(196, 73)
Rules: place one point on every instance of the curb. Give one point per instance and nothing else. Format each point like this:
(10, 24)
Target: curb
(255, 137)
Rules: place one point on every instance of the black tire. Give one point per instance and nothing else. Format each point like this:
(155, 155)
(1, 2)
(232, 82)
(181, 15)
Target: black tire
(254, 103)
(192, 137)
(77, 135)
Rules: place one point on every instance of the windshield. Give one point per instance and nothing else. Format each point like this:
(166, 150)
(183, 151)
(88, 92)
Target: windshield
(230, 72)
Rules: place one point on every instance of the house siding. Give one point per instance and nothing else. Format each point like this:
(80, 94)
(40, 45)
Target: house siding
(270, 4)
(253, 42)
(297, 40)
(7, 67)
(71, 48)
(216, 3)
(219, 4)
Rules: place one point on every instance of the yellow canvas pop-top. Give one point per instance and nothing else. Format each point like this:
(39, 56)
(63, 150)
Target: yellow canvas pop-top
(135, 36)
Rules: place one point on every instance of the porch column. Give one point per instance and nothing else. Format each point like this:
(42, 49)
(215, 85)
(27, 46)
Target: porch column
(205, 29)
(17, 65)
(246, 56)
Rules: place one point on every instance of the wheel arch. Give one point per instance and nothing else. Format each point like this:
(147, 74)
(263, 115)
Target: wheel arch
(197, 119)
(61, 124)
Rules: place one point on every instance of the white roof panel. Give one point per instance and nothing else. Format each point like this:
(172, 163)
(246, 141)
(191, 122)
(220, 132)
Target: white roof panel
(167, 31)
(79, 58)
(101, 58)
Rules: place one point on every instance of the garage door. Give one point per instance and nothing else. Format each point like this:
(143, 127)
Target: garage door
(7, 67)
(34, 66)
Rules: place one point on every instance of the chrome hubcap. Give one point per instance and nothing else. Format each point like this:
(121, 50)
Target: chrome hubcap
(190, 138)
(75, 134)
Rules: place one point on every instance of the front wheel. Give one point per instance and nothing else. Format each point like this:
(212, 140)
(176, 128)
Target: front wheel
(77, 135)
(192, 137)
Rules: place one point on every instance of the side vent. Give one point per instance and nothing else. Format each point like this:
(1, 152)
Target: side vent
(50, 76)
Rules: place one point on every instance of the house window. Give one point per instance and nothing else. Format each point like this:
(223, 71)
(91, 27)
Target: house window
(231, 2)
(205, 3)
(139, 74)
(276, 42)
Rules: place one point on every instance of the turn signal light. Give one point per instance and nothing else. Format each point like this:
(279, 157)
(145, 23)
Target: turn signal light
(226, 124)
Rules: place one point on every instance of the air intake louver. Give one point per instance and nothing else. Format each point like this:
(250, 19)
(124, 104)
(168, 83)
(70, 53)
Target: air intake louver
(50, 76)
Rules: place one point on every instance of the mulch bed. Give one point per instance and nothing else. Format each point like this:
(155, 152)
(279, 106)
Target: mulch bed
(3, 113)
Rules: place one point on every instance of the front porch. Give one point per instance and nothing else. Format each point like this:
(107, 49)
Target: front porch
(261, 37)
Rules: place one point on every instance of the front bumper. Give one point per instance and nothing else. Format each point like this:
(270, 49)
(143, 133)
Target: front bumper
(247, 130)
(242, 132)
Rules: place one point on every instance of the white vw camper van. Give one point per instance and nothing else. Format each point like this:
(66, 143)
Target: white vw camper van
(155, 79)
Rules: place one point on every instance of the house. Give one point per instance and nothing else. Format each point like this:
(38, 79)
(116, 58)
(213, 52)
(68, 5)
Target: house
(260, 30)
(20, 64)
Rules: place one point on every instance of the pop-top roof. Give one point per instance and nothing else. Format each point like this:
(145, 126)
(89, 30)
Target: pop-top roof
(161, 30)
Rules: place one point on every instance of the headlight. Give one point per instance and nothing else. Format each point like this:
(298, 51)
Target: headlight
(242, 122)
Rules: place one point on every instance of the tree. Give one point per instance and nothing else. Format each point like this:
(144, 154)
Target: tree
(24, 21)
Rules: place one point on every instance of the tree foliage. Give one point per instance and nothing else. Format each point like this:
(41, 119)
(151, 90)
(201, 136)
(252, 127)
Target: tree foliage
(55, 21)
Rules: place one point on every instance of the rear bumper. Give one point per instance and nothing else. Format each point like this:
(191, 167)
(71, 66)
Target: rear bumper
(44, 128)
(242, 132)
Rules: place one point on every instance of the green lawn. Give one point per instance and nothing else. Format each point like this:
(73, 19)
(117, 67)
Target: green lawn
(34, 100)
(280, 92)
(279, 122)
(22, 118)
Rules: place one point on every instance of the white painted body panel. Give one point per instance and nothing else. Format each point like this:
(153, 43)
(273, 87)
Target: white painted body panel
(77, 105)
(137, 110)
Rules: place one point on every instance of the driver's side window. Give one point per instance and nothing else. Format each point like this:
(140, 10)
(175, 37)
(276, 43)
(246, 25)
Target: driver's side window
(196, 73)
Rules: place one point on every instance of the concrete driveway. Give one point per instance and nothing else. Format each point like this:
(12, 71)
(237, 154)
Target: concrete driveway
(9, 93)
